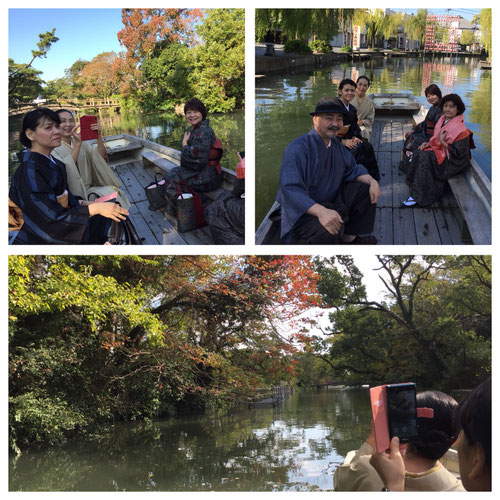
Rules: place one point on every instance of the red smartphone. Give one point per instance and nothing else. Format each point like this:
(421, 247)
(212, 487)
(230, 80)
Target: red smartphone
(394, 412)
(86, 133)
(378, 399)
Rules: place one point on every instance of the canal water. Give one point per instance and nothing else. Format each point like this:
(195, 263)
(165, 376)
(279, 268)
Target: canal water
(293, 447)
(166, 129)
(283, 104)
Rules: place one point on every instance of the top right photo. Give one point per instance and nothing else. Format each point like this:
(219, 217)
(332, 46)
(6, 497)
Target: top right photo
(373, 126)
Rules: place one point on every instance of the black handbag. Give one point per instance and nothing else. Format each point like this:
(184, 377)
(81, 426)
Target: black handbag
(155, 192)
(190, 214)
(123, 233)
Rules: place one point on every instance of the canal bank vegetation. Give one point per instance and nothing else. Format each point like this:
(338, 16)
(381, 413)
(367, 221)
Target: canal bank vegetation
(432, 326)
(379, 28)
(170, 56)
(97, 340)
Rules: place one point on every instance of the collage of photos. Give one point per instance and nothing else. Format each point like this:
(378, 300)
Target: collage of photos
(328, 331)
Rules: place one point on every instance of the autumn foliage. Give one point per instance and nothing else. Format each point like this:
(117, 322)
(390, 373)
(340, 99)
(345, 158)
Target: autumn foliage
(146, 336)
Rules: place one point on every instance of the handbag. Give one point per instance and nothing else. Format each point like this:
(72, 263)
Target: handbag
(155, 192)
(189, 209)
(123, 233)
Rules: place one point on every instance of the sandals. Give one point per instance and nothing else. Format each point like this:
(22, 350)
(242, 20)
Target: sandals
(409, 202)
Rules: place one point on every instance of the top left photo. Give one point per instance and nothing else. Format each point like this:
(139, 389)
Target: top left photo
(126, 126)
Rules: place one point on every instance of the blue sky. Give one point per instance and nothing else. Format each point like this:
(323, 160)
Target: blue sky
(82, 33)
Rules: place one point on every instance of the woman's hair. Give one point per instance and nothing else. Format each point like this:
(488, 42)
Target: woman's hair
(364, 77)
(346, 81)
(197, 105)
(473, 416)
(434, 90)
(32, 119)
(436, 434)
(455, 99)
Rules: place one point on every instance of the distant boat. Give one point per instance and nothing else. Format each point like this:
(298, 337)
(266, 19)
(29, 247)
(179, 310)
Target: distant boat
(399, 102)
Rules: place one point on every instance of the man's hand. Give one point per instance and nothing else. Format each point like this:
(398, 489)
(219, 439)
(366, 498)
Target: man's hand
(390, 466)
(374, 191)
(328, 218)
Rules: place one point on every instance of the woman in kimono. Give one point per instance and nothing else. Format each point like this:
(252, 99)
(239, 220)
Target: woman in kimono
(364, 106)
(445, 155)
(196, 169)
(86, 167)
(351, 135)
(424, 130)
(50, 213)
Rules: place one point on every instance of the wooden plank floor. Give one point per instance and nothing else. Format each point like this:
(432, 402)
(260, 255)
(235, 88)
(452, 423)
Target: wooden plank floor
(438, 224)
(153, 227)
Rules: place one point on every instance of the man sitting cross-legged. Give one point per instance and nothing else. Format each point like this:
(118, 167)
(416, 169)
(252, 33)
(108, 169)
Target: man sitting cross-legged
(325, 197)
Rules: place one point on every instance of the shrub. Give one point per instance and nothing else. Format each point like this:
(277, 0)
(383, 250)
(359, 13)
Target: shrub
(298, 47)
(346, 49)
(321, 46)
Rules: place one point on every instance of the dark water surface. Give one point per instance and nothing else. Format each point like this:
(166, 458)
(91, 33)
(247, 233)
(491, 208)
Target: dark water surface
(283, 104)
(166, 129)
(293, 447)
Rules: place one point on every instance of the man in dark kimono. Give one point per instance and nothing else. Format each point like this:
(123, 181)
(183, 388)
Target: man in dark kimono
(325, 196)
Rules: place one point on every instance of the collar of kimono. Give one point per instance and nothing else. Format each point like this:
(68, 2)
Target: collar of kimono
(453, 127)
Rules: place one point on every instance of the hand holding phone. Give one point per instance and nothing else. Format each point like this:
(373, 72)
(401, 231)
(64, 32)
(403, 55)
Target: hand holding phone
(394, 412)
(86, 132)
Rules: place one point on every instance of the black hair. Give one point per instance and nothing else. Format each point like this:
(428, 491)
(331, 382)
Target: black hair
(473, 416)
(434, 90)
(436, 434)
(364, 77)
(197, 105)
(32, 119)
(62, 110)
(456, 100)
(346, 81)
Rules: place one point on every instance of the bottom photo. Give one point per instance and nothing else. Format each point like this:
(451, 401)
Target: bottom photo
(249, 373)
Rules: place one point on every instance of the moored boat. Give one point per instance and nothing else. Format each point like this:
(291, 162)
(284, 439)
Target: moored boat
(136, 161)
(395, 103)
(462, 216)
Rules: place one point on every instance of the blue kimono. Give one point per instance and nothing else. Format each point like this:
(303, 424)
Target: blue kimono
(36, 184)
(312, 173)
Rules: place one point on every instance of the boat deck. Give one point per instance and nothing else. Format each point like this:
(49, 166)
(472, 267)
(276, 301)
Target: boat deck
(153, 227)
(438, 224)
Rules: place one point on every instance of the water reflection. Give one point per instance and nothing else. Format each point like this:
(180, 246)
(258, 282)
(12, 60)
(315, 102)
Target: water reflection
(166, 129)
(295, 447)
(283, 104)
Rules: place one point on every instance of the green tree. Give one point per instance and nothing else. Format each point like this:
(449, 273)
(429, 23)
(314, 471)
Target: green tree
(20, 75)
(433, 326)
(302, 23)
(24, 83)
(467, 38)
(166, 76)
(219, 76)
(484, 20)
(93, 339)
(416, 26)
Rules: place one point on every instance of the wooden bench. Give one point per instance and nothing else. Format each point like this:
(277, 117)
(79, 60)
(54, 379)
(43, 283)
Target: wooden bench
(472, 191)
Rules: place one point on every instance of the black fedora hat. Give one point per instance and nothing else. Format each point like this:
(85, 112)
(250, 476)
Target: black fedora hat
(329, 106)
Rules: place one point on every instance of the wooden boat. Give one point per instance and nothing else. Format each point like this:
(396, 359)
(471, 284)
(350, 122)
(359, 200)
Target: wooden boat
(461, 216)
(485, 64)
(395, 103)
(136, 161)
